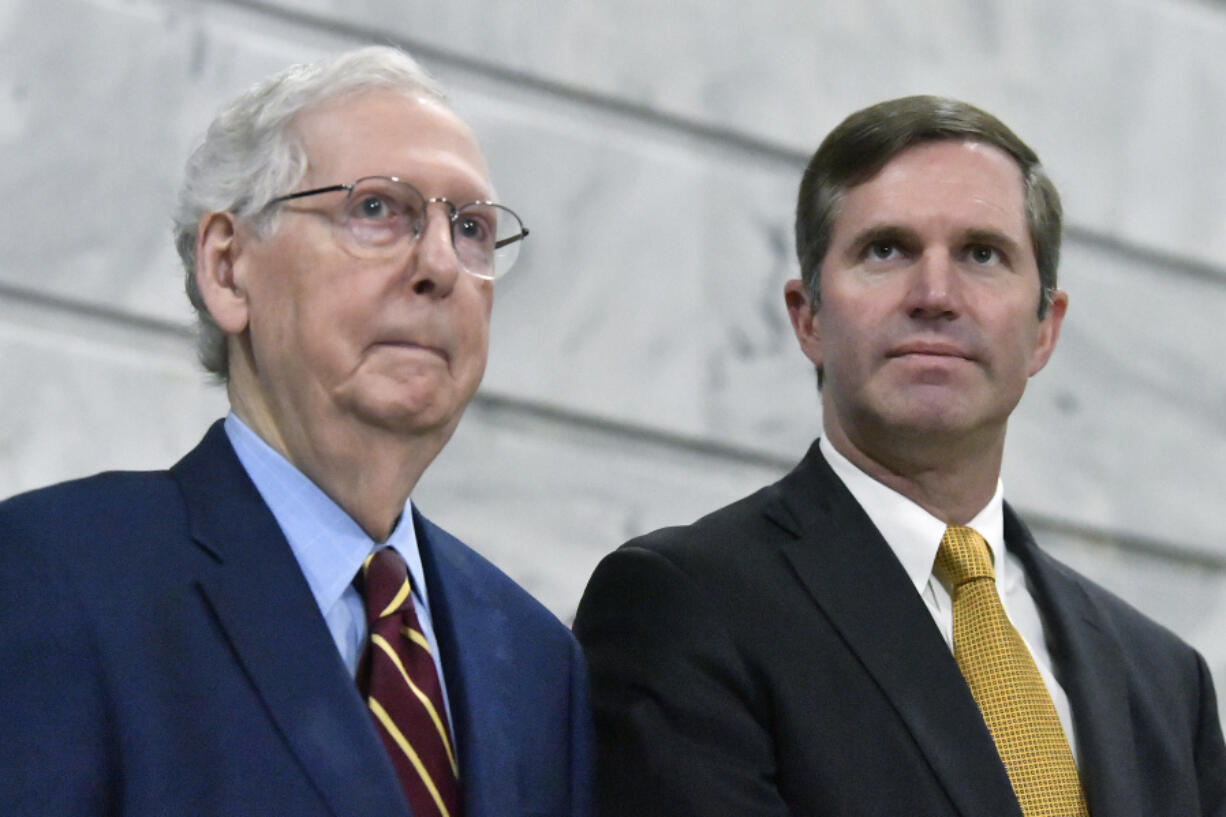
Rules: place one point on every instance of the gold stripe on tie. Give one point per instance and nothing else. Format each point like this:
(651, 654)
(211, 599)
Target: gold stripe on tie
(382, 644)
(398, 599)
(417, 638)
(401, 594)
(1006, 684)
(392, 730)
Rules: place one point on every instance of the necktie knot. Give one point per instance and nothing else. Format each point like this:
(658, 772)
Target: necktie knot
(385, 584)
(964, 555)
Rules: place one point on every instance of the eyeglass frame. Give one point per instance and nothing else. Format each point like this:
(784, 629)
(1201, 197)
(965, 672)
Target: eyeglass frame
(454, 212)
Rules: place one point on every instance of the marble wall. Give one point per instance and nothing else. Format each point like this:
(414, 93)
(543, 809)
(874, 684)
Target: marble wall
(642, 369)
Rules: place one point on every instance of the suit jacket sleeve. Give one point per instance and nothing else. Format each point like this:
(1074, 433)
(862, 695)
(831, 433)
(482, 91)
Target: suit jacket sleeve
(582, 741)
(56, 757)
(1210, 749)
(680, 729)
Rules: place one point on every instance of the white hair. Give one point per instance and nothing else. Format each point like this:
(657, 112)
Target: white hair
(251, 154)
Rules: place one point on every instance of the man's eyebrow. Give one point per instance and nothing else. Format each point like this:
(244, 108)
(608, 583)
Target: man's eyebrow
(992, 238)
(881, 232)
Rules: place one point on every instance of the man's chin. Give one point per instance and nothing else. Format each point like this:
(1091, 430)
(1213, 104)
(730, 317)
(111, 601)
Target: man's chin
(932, 414)
(409, 420)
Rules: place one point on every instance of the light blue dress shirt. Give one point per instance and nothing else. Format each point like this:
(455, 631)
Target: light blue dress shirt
(329, 545)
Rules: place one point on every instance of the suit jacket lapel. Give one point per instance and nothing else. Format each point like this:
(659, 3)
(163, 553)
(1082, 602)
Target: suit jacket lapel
(256, 589)
(482, 713)
(1090, 666)
(856, 580)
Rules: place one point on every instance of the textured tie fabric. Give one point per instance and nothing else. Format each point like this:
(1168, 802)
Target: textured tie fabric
(402, 689)
(1006, 684)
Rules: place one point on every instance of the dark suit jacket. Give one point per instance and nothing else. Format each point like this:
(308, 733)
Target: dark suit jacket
(774, 659)
(162, 654)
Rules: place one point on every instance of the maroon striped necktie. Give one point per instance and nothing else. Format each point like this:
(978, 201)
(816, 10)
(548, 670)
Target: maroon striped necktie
(401, 685)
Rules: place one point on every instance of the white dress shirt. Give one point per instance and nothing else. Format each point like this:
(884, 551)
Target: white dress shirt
(915, 535)
(330, 546)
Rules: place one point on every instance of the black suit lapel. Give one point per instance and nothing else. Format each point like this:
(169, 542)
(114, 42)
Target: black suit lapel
(270, 618)
(854, 577)
(1090, 667)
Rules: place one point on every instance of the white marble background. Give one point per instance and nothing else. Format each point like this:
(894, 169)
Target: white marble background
(642, 370)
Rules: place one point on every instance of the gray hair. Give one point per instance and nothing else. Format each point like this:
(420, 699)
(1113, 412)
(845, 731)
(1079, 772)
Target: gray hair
(251, 154)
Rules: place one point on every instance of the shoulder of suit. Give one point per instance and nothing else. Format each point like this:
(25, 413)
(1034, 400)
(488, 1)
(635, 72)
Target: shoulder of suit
(1129, 625)
(119, 499)
(723, 534)
(503, 592)
(769, 513)
(112, 535)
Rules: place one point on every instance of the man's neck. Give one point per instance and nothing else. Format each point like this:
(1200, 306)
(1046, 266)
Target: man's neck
(952, 482)
(368, 471)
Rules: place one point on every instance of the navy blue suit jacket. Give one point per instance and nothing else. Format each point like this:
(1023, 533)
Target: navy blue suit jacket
(162, 654)
(774, 660)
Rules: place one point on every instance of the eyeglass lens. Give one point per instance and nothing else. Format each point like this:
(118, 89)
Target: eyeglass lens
(380, 212)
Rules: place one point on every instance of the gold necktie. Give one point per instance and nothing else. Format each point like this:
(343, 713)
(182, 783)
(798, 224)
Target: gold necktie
(1006, 684)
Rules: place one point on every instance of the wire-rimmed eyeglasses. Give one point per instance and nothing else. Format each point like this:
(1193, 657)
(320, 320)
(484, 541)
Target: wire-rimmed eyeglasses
(382, 211)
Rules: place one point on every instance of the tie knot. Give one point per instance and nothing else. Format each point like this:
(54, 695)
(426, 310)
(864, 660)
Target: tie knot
(964, 555)
(385, 584)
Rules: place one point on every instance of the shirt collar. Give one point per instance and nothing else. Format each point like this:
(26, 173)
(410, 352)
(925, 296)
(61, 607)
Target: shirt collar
(912, 532)
(328, 544)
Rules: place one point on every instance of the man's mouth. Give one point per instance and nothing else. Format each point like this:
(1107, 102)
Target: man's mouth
(930, 348)
(410, 345)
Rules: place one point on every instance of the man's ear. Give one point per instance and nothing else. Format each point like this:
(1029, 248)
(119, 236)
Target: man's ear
(804, 320)
(1049, 331)
(220, 285)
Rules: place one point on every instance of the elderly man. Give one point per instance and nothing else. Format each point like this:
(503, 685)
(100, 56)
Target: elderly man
(877, 633)
(271, 627)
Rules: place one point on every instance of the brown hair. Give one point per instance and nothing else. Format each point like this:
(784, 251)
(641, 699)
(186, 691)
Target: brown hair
(868, 139)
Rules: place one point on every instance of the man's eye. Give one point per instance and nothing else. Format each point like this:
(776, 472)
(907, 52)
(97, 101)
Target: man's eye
(883, 250)
(473, 229)
(983, 254)
(373, 208)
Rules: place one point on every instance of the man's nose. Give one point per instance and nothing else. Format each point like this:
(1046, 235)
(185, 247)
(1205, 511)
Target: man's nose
(434, 266)
(935, 289)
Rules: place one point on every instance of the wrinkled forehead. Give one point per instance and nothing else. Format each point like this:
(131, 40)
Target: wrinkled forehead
(388, 132)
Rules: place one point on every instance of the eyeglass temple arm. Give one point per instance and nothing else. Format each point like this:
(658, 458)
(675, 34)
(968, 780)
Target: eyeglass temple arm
(498, 245)
(315, 192)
